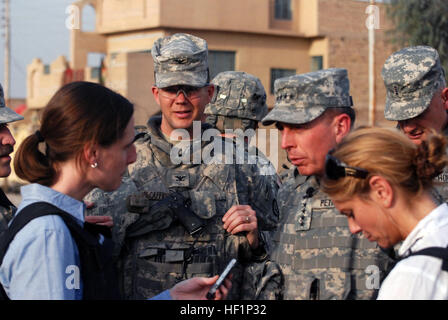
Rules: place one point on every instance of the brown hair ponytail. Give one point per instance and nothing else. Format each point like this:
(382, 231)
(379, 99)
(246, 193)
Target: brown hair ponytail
(430, 159)
(32, 165)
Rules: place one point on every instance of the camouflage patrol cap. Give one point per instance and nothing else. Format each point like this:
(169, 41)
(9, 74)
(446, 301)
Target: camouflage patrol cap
(412, 76)
(239, 95)
(7, 115)
(302, 98)
(180, 59)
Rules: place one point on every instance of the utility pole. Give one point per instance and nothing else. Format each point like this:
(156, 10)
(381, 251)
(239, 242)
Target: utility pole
(372, 86)
(7, 36)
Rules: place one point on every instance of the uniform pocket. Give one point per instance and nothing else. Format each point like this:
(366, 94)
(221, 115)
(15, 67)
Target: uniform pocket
(336, 286)
(204, 203)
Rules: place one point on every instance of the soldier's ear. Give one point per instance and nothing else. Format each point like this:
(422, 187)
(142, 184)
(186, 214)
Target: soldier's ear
(341, 126)
(445, 98)
(211, 92)
(155, 93)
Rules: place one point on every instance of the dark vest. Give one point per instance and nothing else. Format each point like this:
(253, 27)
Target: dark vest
(97, 268)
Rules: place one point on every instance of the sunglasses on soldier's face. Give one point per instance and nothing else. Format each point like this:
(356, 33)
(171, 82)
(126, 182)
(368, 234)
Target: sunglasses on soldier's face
(188, 91)
(336, 169)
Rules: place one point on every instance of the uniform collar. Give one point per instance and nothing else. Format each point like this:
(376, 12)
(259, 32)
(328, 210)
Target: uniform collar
(297, 178)
(164, 147)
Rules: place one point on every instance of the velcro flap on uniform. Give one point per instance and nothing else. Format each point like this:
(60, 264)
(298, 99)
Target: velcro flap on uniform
(150, 252)
(179, 179)
(219, 174)
(177, 246)
(174, 255)
(303, 216)
(203, 204)
(322, 204)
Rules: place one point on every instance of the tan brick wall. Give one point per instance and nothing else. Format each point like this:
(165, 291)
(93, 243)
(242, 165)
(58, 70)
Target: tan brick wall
(344, 23)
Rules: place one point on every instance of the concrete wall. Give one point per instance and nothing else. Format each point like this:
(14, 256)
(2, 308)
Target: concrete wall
(140, 75)
(40, 85)
(253, 16)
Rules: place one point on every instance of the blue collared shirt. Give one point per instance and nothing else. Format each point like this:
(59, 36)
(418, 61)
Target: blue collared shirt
(42, 262)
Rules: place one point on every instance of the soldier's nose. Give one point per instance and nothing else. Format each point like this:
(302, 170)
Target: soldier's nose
(287, 141)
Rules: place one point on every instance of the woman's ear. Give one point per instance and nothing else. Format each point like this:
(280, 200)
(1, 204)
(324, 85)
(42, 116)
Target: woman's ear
(90, 153)
(381, 191)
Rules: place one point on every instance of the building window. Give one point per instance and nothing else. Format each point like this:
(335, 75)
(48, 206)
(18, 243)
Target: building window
(220, 61)
(283, 10)
(95, 73)
(280, 73)
(317, 63)
(47, 69)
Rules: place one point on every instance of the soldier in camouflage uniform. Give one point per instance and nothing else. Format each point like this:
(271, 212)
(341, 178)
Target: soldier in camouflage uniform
(320, 259)
(417, 97)
(221, 205)
(7, 142)
(238, 104)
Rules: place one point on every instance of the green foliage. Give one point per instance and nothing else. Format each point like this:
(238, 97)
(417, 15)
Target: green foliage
(421, 22)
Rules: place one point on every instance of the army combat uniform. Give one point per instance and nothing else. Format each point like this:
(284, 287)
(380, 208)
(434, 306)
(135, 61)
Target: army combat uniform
(171, 228)
(412, 76)
(163, 252)
(238, 105)
(319, 257)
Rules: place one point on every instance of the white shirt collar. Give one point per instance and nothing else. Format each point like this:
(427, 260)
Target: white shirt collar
(423, 228)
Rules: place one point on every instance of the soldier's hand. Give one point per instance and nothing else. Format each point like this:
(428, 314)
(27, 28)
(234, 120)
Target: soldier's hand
(100, 220)
(241, 218)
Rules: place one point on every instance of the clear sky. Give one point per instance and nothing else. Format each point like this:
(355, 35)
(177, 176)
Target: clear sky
(38, 30)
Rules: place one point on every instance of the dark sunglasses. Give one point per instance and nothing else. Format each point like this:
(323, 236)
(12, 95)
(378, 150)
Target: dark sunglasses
(336, 169)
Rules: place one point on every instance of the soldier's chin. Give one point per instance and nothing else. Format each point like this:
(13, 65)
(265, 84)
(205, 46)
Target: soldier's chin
(184, 123)
(5, 169)
(306, 171)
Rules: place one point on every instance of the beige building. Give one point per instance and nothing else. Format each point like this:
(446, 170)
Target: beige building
(267, 38)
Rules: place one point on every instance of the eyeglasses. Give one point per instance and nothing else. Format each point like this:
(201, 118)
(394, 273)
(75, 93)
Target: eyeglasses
(336, 169)
(189, 92)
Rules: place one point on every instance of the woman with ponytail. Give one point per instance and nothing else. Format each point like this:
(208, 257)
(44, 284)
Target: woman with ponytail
(85, 141)
(382, 182)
